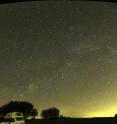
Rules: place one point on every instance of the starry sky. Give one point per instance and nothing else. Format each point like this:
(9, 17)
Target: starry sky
(60, 54)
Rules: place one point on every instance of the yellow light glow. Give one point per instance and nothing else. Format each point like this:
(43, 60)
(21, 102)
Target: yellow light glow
(110, 112)
(101, 114)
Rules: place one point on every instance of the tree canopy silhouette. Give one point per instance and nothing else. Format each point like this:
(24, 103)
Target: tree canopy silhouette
(116, 116)
(50, 113)
(26, 108)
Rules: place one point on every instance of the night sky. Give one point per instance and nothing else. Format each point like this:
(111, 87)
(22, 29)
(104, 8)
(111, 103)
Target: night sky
(60, 54)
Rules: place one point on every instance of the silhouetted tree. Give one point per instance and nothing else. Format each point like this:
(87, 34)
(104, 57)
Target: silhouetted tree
(50, 113)
(26, 108)
(116, 116)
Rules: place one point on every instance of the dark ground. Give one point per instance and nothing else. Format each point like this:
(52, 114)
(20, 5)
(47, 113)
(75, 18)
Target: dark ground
(74, 121)
(14, 1)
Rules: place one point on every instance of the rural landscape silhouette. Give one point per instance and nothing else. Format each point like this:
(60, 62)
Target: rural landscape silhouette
(48, 116)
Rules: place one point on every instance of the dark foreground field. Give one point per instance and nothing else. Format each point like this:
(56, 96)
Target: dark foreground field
(74, 121)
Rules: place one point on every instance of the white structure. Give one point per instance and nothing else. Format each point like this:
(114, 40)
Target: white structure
(15, 118)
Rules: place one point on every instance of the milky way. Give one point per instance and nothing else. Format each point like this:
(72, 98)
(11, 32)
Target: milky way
(61, 54)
